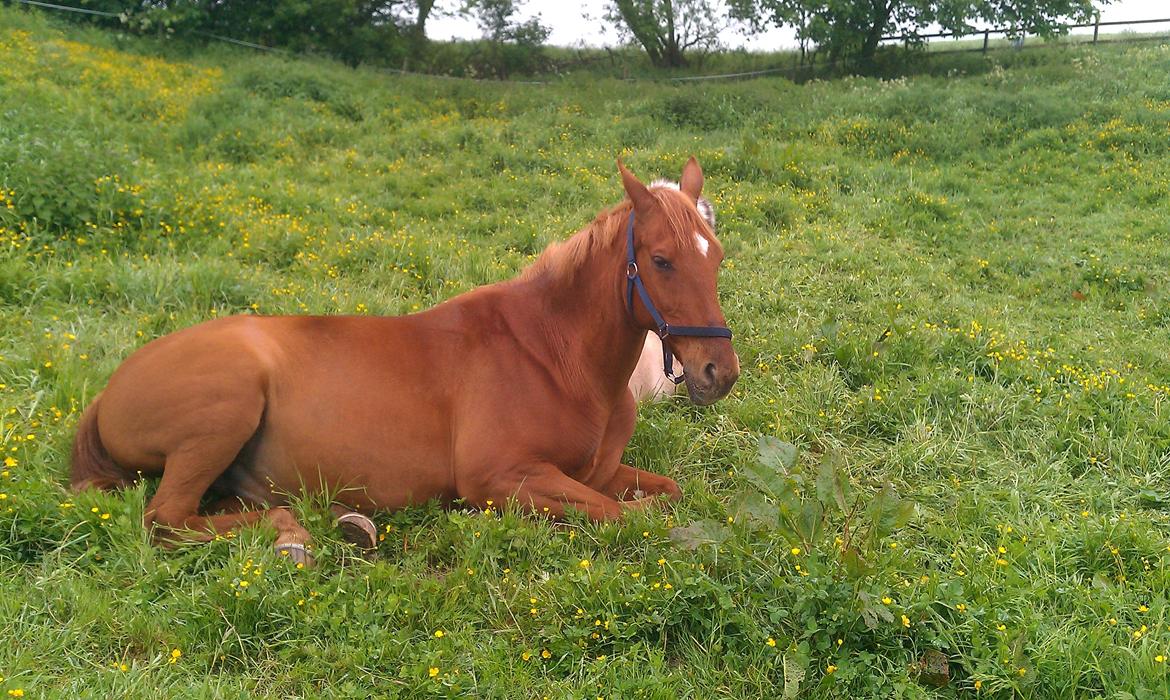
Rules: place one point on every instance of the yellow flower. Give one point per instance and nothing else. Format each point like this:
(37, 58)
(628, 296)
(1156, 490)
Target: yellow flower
(439, 634)
(1160, 658)
(175, 654)
(584, 563)
(978, 685)
(17, 692)
(830, 668)
(526, 656)
(433, 671)
(10, 462)
(905, 621)
(545, 654)
(795, 551)
(887, 600)
(771, 642)
(1022, 671)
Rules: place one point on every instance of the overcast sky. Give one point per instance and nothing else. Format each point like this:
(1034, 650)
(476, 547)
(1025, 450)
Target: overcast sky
(574, 23)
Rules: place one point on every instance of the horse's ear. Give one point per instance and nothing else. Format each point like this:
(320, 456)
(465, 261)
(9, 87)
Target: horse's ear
(639, 194)
(692, 180)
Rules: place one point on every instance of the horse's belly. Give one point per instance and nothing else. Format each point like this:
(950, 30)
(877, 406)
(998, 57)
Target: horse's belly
(381, 445)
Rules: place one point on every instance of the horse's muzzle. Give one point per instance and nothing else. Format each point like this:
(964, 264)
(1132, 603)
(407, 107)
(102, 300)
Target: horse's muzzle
(712, 380)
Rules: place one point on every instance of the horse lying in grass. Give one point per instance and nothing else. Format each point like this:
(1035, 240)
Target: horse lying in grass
(516, 390)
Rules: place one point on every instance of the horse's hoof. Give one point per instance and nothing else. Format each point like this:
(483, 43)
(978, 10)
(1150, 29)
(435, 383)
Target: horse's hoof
(295, 552)
(359, 530)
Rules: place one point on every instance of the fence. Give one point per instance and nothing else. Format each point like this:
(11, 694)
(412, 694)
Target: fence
(1019, 34)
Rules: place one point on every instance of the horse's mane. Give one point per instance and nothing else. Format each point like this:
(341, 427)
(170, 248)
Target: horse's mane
(565, 258)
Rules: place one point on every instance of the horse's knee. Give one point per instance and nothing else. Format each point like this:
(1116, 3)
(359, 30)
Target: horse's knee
(167, 515)
(283, 520)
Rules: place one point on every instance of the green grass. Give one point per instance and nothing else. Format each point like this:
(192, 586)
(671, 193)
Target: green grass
(956, 286)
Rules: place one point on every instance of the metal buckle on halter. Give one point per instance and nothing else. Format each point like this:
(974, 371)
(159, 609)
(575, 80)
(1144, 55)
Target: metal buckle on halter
(631, 270)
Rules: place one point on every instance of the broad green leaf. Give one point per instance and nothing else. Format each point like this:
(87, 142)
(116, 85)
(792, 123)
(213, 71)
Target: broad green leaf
(794, 672)
(832, 482)
(855, 565)
(777, 454)
(888, 512)
(699, 533)
(751, 506)
(810, 520)
(770, 480)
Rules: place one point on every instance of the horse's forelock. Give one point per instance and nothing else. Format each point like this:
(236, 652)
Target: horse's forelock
(706, 210)
(608, 228)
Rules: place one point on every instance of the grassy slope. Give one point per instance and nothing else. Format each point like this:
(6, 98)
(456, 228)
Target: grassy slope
(1008, 227)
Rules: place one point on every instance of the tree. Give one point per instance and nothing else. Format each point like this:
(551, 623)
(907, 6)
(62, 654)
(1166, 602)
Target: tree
(668, 29)
(511, 45)
(850, 30)
(497, 20)
(352, 30)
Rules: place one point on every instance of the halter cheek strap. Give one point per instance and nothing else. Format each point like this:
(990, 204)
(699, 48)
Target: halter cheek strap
(634, 282)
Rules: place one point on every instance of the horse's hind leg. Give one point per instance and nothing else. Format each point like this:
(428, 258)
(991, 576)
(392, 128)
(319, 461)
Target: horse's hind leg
(190, 469)
(174, 510)
(355, 527)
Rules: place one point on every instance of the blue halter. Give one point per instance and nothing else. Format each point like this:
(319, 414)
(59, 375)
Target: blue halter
(665, 330)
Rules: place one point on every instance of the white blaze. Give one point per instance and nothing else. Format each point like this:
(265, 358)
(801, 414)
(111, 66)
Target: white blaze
(702, 243)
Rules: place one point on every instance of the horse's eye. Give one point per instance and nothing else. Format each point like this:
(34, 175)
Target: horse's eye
(662, 263)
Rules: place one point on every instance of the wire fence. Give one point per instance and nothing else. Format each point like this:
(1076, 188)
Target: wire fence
(797, 71)
(1019, 35)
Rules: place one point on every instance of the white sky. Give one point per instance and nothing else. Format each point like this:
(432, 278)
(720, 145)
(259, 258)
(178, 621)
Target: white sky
(574, 23)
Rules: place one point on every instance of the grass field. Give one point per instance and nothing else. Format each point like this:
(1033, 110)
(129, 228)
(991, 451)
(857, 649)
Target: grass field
(949, 294)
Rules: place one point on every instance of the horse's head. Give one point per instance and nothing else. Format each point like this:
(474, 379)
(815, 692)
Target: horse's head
(678, 260)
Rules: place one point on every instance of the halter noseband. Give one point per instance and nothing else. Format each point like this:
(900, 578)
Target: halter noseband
(634, 281)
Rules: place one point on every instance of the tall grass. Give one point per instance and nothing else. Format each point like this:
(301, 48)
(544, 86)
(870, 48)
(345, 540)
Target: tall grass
(951, 288)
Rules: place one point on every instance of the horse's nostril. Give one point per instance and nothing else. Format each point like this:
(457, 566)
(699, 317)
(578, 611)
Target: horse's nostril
(709, 372)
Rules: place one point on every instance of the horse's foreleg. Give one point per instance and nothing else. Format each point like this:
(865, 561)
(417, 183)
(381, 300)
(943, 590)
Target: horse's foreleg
(546, 490)
(631, 482)
(610, 476)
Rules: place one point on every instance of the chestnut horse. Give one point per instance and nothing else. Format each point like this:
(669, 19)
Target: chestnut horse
(516, 390)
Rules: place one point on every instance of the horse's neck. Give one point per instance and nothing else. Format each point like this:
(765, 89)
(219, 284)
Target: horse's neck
(586, 321)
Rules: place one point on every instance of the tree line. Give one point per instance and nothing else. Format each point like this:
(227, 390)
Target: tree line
(670, 32)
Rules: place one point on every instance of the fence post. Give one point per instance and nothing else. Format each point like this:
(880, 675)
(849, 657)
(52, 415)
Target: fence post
(1096, 26)
(986, 34)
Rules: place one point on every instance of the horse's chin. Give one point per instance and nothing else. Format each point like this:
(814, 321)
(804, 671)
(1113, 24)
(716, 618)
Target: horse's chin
(705, 394)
